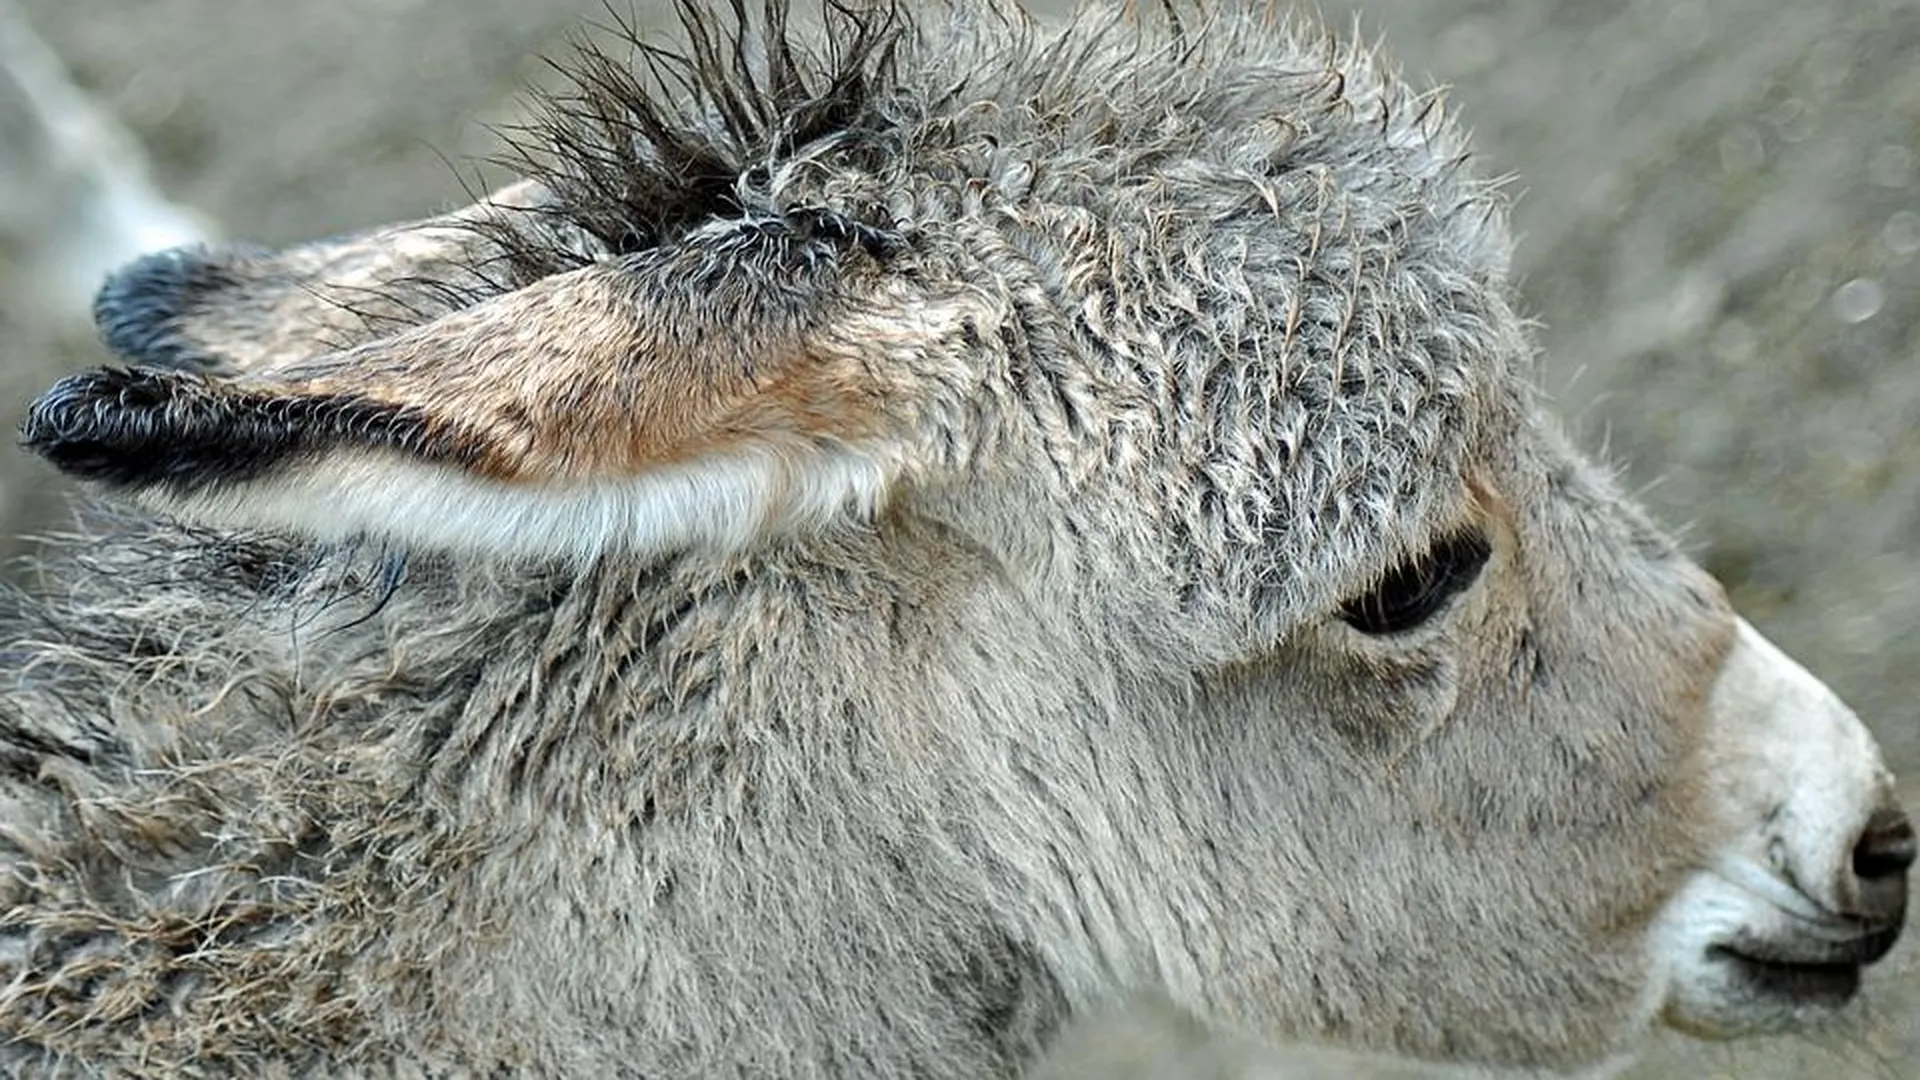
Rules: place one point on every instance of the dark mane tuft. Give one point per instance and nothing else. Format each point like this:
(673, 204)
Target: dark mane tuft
(646, 140)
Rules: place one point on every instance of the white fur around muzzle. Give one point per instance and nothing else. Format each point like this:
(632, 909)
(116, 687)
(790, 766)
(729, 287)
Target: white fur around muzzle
(1795, 776)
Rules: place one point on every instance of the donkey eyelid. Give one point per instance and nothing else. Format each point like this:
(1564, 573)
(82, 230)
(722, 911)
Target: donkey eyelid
(1415, 591)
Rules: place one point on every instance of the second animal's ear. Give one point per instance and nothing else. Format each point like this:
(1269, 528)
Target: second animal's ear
(226, 308)
(736, 383)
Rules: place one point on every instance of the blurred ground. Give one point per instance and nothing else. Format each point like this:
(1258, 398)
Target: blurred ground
(1720, 221)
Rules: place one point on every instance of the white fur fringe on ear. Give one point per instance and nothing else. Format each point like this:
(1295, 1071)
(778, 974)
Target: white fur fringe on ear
(720, 504)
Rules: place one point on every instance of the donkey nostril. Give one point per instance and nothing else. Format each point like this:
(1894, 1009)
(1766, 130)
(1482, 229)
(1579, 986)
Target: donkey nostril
(1887, 847)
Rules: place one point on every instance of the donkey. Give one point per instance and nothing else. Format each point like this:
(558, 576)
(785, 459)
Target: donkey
(878, 548)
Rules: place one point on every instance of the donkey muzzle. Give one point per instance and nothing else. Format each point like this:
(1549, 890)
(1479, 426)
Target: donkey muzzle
(1809, 883)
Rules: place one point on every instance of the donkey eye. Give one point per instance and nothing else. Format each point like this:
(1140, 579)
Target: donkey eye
(1415, 590)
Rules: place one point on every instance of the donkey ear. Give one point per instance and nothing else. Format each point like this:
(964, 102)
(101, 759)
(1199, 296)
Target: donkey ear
(211, 309)
(672, 399)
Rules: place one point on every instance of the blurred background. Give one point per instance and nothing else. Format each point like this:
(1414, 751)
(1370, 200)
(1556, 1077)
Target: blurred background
(1719, 221)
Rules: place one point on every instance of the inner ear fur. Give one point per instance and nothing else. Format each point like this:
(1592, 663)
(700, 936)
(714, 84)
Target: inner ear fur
(235, 309)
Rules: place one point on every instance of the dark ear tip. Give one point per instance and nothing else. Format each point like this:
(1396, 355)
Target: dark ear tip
(89, 423)
(58, 413)
(138, 307)
(142, 427)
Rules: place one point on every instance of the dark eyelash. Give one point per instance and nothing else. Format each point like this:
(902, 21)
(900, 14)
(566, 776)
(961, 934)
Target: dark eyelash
(1416, 590)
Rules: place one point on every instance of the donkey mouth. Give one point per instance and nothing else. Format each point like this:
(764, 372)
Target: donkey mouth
(1820, 968)
(1816, 983)
(1754, 954)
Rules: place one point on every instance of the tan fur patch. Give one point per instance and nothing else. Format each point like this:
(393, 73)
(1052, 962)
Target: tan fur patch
(574, 378)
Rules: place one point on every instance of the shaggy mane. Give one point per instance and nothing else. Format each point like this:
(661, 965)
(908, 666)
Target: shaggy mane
(646, 140)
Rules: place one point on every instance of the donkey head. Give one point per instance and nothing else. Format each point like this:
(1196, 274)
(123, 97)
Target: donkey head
(1402, 725)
